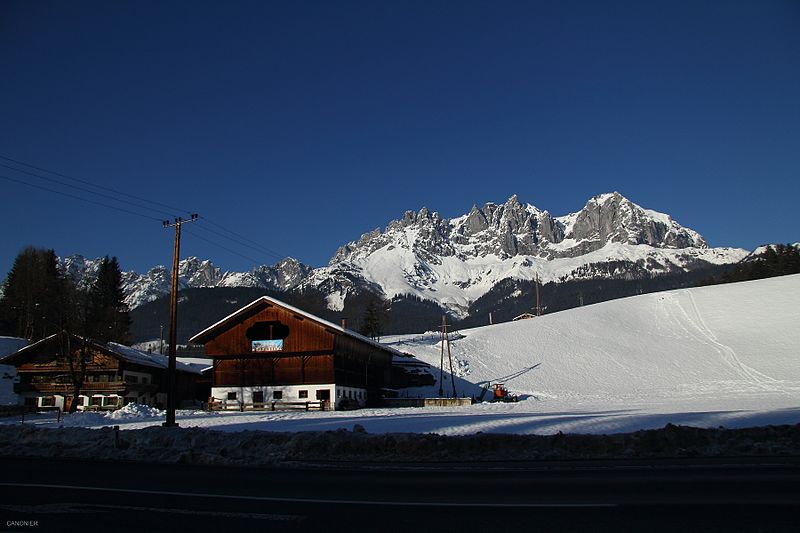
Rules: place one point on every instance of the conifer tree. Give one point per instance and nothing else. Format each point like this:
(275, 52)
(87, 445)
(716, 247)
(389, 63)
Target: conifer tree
(106, 312)
(35, 301)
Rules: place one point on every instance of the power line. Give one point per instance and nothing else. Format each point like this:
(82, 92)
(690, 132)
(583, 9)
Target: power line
(231, 235)
(209, 241)
(86, 190)
(116, 208)
(85, 182)
(258, 248)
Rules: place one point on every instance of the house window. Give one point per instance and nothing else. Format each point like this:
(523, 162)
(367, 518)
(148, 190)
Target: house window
(131, 379)
(277, 395)
(231, 395)
(49, 401)
(96, 400)
(304, 394)
(258, 396)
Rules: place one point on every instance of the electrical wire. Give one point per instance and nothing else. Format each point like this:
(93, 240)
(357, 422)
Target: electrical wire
(231, 235)
(209, 241)
(116, 208)
(85, 182)
(257, 247)
(87, 190)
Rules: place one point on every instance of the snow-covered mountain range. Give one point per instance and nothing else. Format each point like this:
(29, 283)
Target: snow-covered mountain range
(455, 261)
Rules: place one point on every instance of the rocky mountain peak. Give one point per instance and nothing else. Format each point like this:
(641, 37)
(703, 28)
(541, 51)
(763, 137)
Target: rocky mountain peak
(612, 218)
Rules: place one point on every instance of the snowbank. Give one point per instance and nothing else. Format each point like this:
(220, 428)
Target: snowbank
(257, 448)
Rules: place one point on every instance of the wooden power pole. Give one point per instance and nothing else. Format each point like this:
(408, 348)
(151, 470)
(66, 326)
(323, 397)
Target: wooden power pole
(446, 340)
(538, 301)
(173, 318)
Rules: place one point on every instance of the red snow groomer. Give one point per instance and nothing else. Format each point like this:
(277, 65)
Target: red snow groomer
(501, 394)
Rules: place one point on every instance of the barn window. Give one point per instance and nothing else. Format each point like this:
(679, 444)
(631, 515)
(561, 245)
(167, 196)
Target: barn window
(258, 396)
(231, 395)
(304, 394)
(323, 394)
(277, 395)
(267, 336)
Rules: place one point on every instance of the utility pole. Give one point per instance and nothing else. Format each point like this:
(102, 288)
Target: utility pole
(446, 339)
(173, 318)
(538, 301)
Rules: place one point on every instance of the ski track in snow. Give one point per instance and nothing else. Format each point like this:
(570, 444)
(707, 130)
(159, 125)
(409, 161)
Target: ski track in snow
(705, 335)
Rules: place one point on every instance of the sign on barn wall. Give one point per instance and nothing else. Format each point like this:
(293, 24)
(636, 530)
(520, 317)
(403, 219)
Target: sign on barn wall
(274, 345)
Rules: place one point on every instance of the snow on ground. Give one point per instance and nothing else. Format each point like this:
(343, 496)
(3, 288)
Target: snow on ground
(713, 356)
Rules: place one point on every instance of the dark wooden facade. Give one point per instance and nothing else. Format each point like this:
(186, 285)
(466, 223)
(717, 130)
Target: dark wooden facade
(114, 376)
(311, 351)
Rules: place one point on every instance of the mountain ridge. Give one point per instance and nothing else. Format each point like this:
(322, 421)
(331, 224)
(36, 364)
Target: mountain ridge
(453, 262)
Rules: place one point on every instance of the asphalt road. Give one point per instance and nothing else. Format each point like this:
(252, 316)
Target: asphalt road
(698, 495)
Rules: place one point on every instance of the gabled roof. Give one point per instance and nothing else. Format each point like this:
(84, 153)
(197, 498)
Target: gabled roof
(114, 349)
(211, 330)
(9, 345)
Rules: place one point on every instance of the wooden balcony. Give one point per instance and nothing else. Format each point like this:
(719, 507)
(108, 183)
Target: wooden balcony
(107, 386)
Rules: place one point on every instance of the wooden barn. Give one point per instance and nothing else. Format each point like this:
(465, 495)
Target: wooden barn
(269, 351)
(114, 375)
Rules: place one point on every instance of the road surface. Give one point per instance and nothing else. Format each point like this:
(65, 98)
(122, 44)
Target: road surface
(688, 495)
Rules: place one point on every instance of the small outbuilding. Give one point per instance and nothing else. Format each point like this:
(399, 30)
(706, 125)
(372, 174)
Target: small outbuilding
(269, 352)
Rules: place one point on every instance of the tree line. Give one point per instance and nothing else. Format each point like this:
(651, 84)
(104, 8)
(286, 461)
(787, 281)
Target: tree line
(39, 300)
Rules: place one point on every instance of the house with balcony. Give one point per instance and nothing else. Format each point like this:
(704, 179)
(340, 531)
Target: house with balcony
(110, 375)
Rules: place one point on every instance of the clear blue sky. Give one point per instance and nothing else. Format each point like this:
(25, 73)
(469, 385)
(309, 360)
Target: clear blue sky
(302, 125)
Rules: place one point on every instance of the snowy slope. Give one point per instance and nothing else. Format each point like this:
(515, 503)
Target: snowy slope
(737, 341)
(725, 355)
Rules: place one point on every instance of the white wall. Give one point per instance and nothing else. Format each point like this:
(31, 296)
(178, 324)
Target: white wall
(290, 393)
(360, 395)
(8, 376)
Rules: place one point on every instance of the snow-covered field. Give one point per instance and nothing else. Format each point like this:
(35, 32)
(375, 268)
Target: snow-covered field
(725, 355)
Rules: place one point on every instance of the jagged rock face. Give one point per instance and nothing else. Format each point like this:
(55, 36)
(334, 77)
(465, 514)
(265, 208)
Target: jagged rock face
(613, 218)
(79, 270)
(455, 261)
(192, 272)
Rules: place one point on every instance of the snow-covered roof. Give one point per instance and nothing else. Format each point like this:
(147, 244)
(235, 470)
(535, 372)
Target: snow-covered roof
(126, 353)
(200, 337)
(9, 345)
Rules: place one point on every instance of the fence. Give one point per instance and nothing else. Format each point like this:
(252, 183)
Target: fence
(222, 405)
